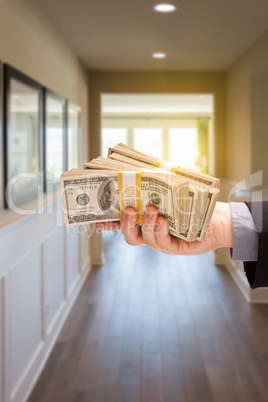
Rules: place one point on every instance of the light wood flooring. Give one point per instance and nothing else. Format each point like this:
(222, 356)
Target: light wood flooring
(148, 327)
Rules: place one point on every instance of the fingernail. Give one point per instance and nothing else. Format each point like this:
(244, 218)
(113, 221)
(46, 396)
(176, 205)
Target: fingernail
(158, 225)
(129, 216)
(149, 214)
(165, 229)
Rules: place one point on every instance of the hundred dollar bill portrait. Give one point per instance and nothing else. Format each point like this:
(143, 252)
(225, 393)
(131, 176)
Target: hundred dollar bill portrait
(108, 195)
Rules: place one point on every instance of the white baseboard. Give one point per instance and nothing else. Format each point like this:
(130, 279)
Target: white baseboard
(100, 260)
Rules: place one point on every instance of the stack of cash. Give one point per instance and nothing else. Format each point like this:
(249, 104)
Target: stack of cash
(106, 186)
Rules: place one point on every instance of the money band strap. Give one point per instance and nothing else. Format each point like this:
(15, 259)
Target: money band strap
(166, 166)
(144, 170)
(130, 195)
(156, 169)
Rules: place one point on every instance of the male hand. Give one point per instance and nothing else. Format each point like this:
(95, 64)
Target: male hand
(154, 232)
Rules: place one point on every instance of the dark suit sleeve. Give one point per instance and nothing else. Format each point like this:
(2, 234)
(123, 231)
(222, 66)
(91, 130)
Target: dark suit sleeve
(257, 272)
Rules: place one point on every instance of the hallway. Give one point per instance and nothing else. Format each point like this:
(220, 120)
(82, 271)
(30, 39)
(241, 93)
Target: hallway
(149, 327)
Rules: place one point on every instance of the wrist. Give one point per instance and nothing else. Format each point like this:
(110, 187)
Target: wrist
(227, 226)
(222, 225)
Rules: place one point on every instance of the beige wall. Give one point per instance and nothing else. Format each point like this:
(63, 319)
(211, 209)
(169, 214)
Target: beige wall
(30, 43)
(238, 89)
(47, 258)
(151, 82)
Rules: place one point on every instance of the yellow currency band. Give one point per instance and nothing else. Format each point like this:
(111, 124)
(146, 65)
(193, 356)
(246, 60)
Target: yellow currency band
(130, 193)
(139, 196)
(159, 164)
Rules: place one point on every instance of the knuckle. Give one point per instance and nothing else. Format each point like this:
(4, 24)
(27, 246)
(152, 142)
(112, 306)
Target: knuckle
(147, 229)
(159, 241)
(129, 241)
(150, 243)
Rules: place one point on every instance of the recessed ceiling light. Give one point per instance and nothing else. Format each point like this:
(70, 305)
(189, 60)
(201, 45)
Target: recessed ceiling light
(165, 7)
(159, 55)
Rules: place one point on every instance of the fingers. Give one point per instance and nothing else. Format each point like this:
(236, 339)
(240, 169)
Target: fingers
(154, 231)
(165, 242)
(149, 226)
(128, 227)
(108, 226)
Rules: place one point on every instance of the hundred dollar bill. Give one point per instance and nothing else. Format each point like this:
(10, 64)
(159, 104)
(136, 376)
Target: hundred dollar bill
(127, 151)
(98, 196)
(208, 186)
(190, 218)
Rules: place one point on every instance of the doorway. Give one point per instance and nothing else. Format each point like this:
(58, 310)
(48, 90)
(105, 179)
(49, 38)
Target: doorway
(177, 128)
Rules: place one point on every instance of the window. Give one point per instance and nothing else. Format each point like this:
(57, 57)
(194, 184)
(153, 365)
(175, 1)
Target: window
(73, 139)
(149, 141)
(55, 138)
(38, 145)
(23, 137)
(183, 146)
(111, 137)
(174, 127)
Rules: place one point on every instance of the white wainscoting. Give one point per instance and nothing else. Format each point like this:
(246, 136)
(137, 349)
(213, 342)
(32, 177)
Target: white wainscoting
(43, 266)
(25, 322)
(72, 259)
(53, 276)
(2, 340)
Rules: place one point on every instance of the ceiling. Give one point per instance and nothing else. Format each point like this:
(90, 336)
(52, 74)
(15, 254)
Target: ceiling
(118, 35)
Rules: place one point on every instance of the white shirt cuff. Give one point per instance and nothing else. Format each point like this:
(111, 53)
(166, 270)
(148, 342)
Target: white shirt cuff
(245, 235)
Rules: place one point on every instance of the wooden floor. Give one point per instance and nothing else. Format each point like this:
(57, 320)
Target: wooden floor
(147, 327)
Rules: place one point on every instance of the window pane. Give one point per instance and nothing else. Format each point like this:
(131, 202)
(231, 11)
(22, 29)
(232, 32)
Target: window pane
(183, 146)
(73, 137)
(111, 137)
(149, 141)
(54, 139)
(23, 141)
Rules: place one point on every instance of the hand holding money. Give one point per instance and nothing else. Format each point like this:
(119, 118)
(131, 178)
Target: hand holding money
(155, 232)
(106, 186)
(100, 195)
